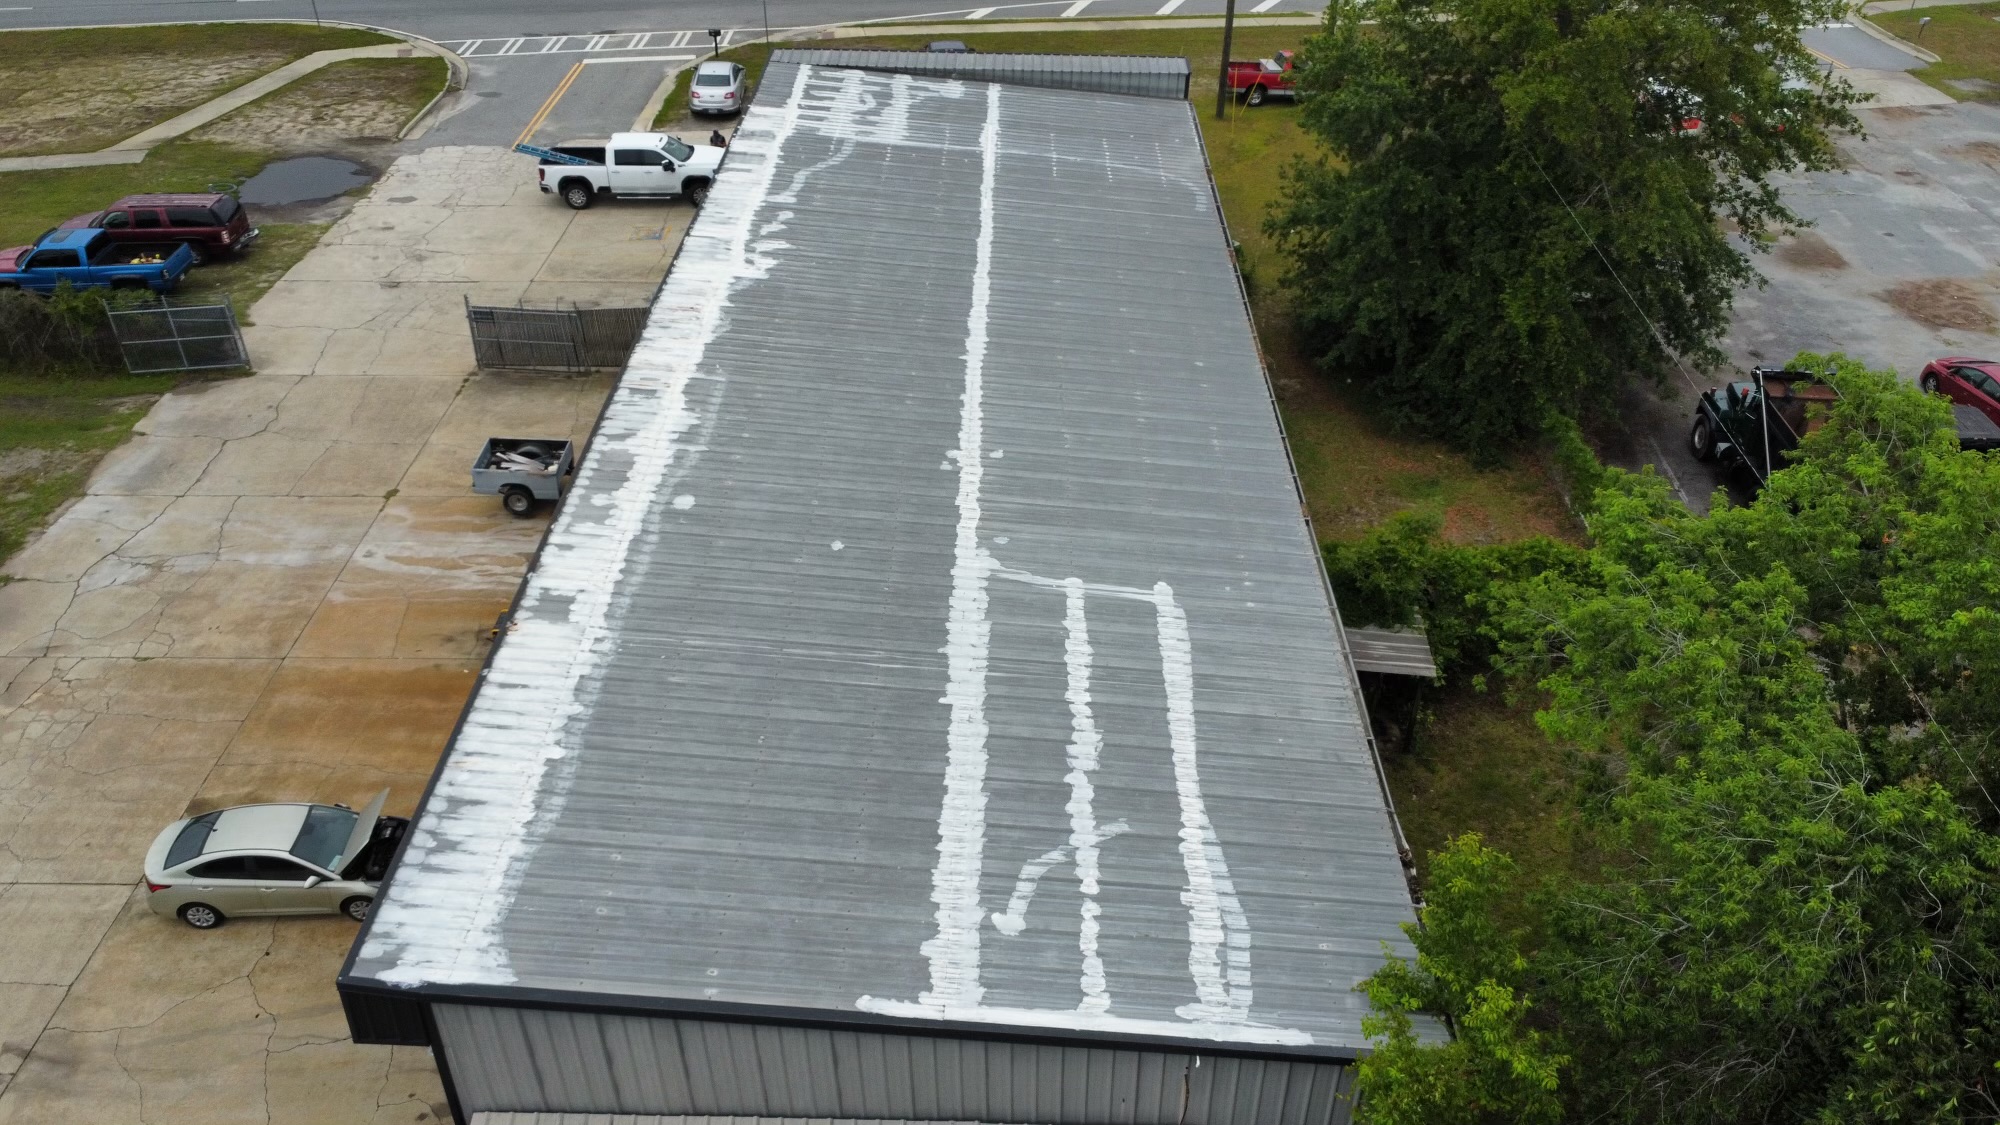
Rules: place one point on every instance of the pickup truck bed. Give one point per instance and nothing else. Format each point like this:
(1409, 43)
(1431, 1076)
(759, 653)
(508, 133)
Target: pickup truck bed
(88, 258)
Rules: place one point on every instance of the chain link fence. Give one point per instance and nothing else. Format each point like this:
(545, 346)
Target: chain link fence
(174, 335)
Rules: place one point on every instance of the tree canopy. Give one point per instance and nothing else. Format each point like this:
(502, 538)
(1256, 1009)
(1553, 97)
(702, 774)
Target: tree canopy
(1792, 711)
(1503, 181)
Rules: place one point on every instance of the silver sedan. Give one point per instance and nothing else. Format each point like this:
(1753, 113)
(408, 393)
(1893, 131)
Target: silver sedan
(272, 859)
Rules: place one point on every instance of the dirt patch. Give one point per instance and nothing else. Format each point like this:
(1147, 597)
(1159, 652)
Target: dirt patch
(1986, 152)
(1807, 250)
(79, 109)
(1942, 303)
(1898, 113)
(361, 100)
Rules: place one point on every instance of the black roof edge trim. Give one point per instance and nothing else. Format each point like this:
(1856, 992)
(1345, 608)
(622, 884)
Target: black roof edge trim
(597, 1003)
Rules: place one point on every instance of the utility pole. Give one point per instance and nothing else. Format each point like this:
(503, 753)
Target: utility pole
(316, 22)
(1222, 82)
(767, 21)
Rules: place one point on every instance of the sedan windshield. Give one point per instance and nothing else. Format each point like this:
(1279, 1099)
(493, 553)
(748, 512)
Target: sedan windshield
(677, 148)
(323, 835)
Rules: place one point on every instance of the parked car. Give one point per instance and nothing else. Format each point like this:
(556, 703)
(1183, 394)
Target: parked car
(1965, 381)
(628, 166)
(947, 47)
(210, 224)
(1264, 78)
(91, 259)
(272, 859)
(1752, 423)
(718, 87)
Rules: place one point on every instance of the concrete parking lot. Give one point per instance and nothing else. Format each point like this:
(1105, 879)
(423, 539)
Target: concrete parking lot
(280, 589)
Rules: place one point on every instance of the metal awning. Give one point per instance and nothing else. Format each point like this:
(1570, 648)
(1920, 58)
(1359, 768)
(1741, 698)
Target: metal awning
(1393, 652)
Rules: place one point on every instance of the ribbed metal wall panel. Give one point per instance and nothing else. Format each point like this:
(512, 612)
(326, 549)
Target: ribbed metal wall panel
(537, 1060)
(1145, 76)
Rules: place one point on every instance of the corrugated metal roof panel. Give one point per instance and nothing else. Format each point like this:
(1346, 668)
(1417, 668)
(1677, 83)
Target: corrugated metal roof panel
(1150, 76)
(1396, 652)
(932, 635)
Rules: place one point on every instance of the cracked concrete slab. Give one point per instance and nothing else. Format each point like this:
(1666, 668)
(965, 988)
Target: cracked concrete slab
(281, 588)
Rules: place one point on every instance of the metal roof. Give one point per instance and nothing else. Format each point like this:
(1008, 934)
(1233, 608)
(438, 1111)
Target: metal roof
(1395, 652)
(1150, 76)
(932, 636)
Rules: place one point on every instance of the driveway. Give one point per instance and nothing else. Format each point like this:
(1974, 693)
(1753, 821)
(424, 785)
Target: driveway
(279, 589)
(1901, 265)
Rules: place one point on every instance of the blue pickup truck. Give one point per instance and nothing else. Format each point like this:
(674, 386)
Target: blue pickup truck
(89, 259)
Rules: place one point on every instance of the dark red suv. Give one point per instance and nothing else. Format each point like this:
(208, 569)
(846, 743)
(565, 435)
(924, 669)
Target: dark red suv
(1965, 381)
(211, 225)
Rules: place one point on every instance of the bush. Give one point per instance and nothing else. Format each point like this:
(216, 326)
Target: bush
(65, 332)
(1401, 576)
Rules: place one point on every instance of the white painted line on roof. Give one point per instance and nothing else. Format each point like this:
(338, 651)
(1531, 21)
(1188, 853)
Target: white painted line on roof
(639, 58)
(1264, 6)
(1075, 9)
(1167, 9)
(442, 916)
(978, 13)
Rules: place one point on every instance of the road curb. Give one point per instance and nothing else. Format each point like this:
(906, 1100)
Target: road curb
(1856, 17)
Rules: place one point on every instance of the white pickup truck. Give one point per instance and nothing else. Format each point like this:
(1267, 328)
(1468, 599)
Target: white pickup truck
(629, 166)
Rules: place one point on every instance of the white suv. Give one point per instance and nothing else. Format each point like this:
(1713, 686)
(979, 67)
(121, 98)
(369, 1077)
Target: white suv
(718, 87)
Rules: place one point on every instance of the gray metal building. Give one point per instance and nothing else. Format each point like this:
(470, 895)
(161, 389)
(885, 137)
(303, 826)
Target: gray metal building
(927, 704)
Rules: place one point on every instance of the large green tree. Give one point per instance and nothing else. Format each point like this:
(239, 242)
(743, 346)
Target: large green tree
(1793, 709)
(1514, 212)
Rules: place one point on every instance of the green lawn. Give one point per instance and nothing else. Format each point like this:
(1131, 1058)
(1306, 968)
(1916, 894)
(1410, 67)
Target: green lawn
(53, 431)
(82, 89)
(1966, 37)
(37, 201)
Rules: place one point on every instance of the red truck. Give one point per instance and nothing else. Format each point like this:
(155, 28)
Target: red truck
(1265, 78)
(208, 223)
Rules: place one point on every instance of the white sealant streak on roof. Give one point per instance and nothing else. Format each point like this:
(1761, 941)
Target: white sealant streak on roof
(441, 919)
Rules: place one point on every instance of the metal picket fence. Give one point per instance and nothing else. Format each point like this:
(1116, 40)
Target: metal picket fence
(171, 335)
(559, 339)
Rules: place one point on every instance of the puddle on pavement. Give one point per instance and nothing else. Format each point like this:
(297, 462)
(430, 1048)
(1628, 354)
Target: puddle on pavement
(304, 179)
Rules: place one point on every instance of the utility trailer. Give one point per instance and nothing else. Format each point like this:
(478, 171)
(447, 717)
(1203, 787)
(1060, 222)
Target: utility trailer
(523, 470)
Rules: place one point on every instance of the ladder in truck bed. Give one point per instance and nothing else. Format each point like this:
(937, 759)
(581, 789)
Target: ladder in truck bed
(552, 156)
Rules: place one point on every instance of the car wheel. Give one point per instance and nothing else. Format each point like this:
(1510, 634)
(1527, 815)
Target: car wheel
(201, 915)
(1256, 96)
(517, 500)
(577, 195)
(1702, 438)
(195, 248)
(698, 194)
(1928, 383)
(357, 907)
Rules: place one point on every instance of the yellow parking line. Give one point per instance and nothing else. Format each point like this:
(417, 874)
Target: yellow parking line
(542, 114)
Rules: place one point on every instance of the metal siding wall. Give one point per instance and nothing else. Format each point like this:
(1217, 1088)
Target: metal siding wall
(513, 1059)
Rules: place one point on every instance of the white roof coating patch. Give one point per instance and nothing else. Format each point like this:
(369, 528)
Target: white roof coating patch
(887, 726)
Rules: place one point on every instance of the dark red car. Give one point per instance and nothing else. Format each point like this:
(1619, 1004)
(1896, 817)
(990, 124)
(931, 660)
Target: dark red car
(1965, 381)
(209, 224)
